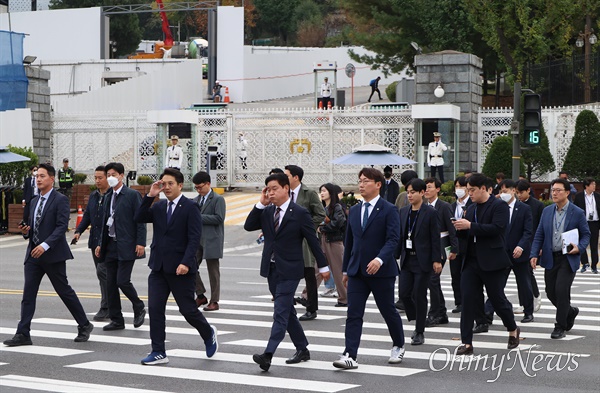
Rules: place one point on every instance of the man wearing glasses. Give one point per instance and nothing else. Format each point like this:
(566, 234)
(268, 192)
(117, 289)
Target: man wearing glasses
(560, 260)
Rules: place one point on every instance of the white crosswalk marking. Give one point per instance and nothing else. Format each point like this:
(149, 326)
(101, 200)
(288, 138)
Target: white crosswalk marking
(57, 385)
(40, 350)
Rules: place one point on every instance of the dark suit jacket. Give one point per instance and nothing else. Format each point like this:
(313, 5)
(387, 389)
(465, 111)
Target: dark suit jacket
(393, 190)
(445, 213)
(462, 240)
(28, 194)
(213, 225)
(542, 240)
(519, 232)
(379, 240)
(174, 243)
(489, 230)
(93, 215)
(129, 233)
(580, 201)
(537, 207)
(286, 243)
(53, 226)
(425, 239)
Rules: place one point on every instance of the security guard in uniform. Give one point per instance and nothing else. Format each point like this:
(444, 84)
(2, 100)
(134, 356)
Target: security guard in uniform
(65, 179)
(435, 159)
(326, 92)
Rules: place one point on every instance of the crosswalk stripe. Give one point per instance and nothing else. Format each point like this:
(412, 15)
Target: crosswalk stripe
(312, 364)
(3, 364)
(60, 385)
(216, 376)
(241, 312)
(40, 350)
(71, 336)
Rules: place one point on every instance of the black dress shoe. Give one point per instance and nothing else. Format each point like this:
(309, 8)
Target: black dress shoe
(527, 318)
(513, 342)
(457, 309)
(464, 350)
(300, 356)
(431, 322)
(399, 305)
(414, 333)
(102, 315)
(558, 332)
(571, 318)
(84, 333)
(263, 360)
(481, 328)
(113, 326)
(338, 304)
(309, 316)
(443, 320)
(138, 318)
(18, 339)
(301, 300)
(418, 339)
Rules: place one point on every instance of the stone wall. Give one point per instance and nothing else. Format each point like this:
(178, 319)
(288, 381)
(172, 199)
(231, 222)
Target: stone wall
(38, 100)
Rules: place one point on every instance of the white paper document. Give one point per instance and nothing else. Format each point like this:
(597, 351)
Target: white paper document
(569, 237)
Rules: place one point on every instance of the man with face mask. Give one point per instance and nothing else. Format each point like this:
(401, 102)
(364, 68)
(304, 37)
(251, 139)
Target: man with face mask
(390, 189)
(122, 242)
(458, 209)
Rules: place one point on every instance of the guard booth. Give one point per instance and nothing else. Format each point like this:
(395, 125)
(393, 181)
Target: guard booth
(442, 118)
(322, 69)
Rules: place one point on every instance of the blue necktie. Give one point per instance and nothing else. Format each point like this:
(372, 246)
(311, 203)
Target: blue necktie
(365, 216)
(169, 212)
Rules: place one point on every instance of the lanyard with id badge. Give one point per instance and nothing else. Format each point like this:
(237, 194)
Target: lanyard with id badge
(409, 244)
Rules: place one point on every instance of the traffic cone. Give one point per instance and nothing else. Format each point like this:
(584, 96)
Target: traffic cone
(226, 94)
(321, 105)
(329, 105)
(79, 216)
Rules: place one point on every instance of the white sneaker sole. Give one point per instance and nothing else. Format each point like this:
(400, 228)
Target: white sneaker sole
(154, 362)
(394, 361)
(344, 365)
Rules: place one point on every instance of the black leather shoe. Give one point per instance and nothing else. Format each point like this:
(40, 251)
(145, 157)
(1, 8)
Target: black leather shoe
(138, 318)
(457, 309)
(84, 333)
(558, 332)
(481, 328)
(414, 333)
(18, 339)
(338, 304)
(513, 342)
(431, 322)
(571, 318)
(102, 315)
(113, 326)
(300, 356)
(442, 320)
(464, 350)
(418, 339)
(301, 300)
(309, 316)
(527, 318)
(263, 360)
(399, 305)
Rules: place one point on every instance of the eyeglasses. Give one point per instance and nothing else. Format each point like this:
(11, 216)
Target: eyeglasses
(557, 190)
(199, 186)
(365, 181)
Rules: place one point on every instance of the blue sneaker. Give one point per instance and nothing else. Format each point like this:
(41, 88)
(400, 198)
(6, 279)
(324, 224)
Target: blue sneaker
(584, 268)
(212, 346)
(155, 358)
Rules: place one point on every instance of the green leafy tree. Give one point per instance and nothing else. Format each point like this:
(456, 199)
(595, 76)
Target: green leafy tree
(583, 158)
(499, 157)
(276, 17)
(16, 172)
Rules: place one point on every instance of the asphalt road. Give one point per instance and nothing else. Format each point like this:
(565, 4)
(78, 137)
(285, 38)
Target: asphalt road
(110, 361)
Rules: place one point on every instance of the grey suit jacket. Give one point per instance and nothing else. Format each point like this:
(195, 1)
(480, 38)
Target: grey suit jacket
(213, 225)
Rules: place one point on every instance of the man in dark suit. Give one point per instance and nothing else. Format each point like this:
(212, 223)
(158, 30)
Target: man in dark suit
(560, 260)
(589, 201)
(177, 228)
(46, 254)
(459, 207)
(122, 242)
(437, 313)
(484, 227)
(94, 216)
(525, 195)
(310, 200)
(420, 256)
(390, 188)
(212, 207)
(29, 191)
(284, 225)
(369, 266)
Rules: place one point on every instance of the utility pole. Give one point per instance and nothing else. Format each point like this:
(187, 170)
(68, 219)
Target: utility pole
(514, 130)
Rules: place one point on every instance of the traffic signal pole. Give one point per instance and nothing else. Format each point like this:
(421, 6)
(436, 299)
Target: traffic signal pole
(514, 130)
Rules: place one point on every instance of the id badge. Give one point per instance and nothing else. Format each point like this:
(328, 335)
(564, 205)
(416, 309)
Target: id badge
(408, 243)
(109, 222)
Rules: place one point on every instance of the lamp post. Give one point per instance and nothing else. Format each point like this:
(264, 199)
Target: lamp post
(586, 40)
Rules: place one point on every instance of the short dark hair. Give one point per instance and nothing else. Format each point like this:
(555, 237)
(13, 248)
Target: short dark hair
(407, 176)
(117, 166)
(100, 168)
(295, 170)
(588, 180)
(478, 180)
(564, 182)
(434, 180)
(500, 175)
(173, 172)
(276, 170)
(49, 168)
(461, 180)
(417, 185)
(337, 189)
(523, 185)
(372, 173)
(280, 178)
(201, 177)
(32, 167)
(508, 183)
(388, 169)
(563, 173)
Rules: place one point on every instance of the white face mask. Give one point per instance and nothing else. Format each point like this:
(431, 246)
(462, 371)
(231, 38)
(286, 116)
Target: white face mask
(112, 181)
(34, 173)
(506, 197)
(460, 193)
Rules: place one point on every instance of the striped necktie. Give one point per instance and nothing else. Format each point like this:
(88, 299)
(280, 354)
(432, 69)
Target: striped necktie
(38, 218)
(276, 219)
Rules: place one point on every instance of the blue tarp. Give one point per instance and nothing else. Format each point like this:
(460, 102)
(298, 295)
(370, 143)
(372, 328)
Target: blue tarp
(13, 81)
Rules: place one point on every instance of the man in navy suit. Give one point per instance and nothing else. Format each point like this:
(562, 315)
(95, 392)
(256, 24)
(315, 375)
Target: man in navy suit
(390, 188)
(420, 256)
(484, 227)
(459, 206)
(369, 266)
(177, 227)
(561, 261)
(29, 191)
(122, 242)
(284, 225)
(46, 254)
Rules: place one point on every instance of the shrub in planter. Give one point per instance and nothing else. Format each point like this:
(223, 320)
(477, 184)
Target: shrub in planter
(79, 178)
(390, 91)
(144, 180)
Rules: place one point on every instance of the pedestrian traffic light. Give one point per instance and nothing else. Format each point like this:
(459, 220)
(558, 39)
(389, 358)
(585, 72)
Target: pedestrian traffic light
(532, 120)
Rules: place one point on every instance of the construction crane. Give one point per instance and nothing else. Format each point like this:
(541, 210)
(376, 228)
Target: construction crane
(162, 49)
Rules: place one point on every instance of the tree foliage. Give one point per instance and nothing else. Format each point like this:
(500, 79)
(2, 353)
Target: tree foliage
(499, 157)
(583, 158)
